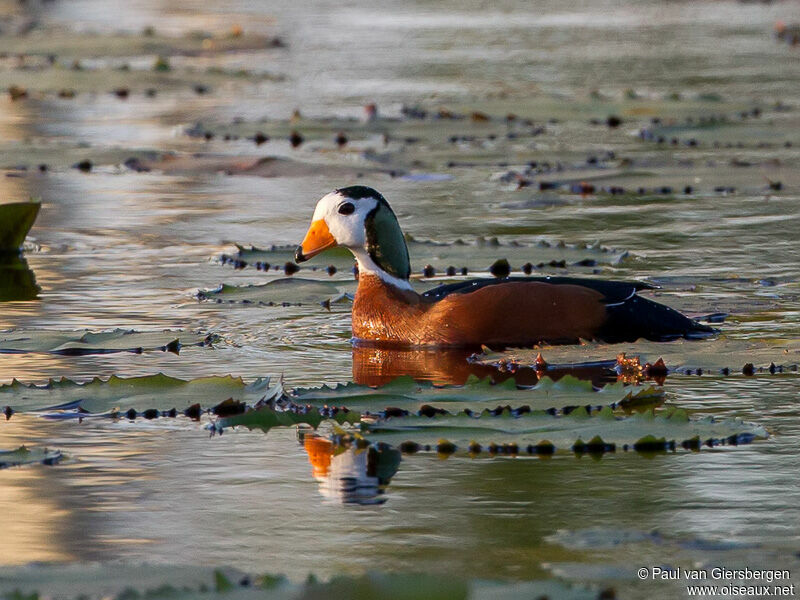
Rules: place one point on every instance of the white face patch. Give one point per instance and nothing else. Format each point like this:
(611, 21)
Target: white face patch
(348, 230)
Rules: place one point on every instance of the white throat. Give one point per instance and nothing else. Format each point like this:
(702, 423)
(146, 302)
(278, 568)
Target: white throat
(367, 266)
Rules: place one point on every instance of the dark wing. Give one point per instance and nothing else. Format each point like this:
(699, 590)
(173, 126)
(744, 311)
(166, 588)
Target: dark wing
(630, 317)
(613, 291)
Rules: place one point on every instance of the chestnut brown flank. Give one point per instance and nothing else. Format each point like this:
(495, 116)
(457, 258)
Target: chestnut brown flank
(518, 313)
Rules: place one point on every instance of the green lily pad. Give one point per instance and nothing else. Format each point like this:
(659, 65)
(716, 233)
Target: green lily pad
(475, 395)
(21, 341)
(711, 355)
(578, 432)
(119, 581)
(16, 220)
(267, 417)
(28, 456)
(284, 291)
(476, 256)
(152, 392)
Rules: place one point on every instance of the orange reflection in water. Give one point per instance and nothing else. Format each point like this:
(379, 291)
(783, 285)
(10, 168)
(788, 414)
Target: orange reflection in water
(377, 366)
(351, 475)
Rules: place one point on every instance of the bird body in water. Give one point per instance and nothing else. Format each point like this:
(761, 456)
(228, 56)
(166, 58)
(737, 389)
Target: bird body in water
(510, 311)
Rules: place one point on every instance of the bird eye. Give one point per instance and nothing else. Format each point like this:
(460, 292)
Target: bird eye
(347, 208)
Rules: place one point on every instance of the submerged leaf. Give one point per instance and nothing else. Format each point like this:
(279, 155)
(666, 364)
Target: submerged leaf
(27, 456)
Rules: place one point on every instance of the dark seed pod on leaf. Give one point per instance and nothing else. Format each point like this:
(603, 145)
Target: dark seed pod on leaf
(84, 165)
(446, 448)
(409, 447)
(500, 268)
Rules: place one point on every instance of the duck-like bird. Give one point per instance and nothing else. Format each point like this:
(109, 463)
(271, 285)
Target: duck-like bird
(512, 311)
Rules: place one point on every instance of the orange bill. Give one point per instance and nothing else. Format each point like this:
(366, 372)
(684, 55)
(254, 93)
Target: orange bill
(317, 239)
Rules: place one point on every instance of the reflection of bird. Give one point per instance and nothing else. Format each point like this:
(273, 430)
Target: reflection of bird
(504, 311)
(351, 476)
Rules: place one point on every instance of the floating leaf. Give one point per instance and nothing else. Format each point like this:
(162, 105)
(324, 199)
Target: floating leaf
(151, 392)
(475, 256)
(285, 291)
(16, 220)
(19, 341)
(122, 581)
(475, 395)
(27, 456)
(711, 355)
(267, 417)
(577, 431)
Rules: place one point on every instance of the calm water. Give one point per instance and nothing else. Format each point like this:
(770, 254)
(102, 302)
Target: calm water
(116, 248)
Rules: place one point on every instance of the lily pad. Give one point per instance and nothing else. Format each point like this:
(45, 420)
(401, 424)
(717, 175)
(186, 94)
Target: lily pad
(152, 392)
(22, 341)
(726, 354)
(266, 417)
(122, 581)
(475, 256)
(16, 220)
(284, 291)
(27, 456)
(578, 432)
(406, 394)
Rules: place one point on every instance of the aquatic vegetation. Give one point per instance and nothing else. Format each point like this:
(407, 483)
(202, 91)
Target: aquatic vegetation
(569, 141)
(406, 395)
(28, 456)
(16, 220)
(119, 582)
(722, 355)
(288, 291)
(116, 396)
(456, 258)
(425, 417)
(579, 432)
(50, 341)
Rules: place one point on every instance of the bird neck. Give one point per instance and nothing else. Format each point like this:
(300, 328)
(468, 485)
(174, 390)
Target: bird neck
(367, 266)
